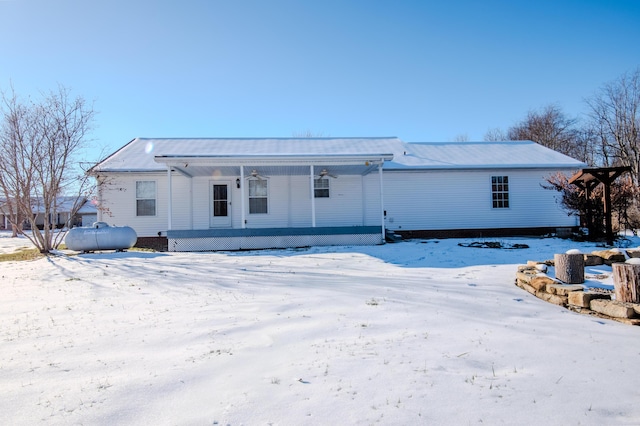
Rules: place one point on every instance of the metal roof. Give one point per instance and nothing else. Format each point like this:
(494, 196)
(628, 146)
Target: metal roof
(479, 155)
(148, 154)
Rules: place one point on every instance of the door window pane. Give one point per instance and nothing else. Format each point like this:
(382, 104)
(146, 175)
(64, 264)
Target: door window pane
(220, 205)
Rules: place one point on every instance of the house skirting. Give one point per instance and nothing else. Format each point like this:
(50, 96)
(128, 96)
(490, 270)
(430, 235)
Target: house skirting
(485, 232)
(267, 238)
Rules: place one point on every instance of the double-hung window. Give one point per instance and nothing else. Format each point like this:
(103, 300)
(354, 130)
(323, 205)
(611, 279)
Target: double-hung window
(321, 188)
(258, 196)
(145, 198)
(500, 192)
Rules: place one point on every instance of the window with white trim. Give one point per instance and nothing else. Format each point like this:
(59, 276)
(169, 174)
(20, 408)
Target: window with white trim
(145, 198)
(321, 188)
(500, 192)
(258, 196)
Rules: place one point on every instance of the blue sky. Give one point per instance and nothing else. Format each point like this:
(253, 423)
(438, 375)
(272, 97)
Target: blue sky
(419, 70)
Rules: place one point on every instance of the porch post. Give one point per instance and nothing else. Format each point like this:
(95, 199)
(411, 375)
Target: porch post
(313, 198)
(243, 225)
(381, 198)
(170, 206)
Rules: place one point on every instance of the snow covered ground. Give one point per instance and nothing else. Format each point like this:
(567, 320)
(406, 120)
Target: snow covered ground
(419, 332)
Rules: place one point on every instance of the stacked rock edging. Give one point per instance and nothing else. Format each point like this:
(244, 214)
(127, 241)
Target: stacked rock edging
(533, 278)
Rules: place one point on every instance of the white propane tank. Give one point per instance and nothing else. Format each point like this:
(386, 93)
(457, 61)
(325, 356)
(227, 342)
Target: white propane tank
(100, 236)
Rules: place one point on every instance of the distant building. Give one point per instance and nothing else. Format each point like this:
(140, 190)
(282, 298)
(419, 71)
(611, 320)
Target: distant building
(64, 208)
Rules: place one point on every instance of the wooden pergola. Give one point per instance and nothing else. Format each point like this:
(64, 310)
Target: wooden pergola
(588, 180)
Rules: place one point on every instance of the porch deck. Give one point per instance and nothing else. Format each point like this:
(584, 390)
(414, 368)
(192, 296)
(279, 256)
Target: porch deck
(266, 238)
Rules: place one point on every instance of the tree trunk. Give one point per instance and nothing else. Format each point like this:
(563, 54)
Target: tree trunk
(626, 281)
(569, 268)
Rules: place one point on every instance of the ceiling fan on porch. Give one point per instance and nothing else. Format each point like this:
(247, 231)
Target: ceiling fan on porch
(255, 175)
(324, 173)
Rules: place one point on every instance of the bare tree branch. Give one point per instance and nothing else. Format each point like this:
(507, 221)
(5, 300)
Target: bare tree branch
(615, 114)
(41, 141)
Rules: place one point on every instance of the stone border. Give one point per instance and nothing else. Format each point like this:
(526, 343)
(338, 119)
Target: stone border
(532, 277)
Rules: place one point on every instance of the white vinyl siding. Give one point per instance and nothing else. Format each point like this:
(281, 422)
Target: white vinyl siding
(182, 210)
(289, 203)
(414, 200)
(449, 200)
(344, 207)
(370, 201)
(118, 206)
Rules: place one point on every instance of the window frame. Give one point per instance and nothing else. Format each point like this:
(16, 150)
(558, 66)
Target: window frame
(500, 192)
(140, 198)
(258, 196)
(317, 191)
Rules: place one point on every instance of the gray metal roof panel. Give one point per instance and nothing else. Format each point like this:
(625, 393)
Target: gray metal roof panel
(140, 153)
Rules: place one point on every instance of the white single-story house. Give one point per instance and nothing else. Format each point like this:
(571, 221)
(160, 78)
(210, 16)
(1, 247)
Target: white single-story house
(248, 193)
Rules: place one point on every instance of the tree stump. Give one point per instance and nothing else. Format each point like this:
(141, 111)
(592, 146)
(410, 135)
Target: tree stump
(626, 281)
(569, 267)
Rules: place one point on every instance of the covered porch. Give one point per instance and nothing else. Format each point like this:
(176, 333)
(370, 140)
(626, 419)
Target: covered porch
(274, 201)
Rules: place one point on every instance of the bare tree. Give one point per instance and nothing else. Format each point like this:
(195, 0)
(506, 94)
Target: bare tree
(550, 127)
(615, 113)
(461, 137)
(16, 160)
(41, 141)
(588, 147)
(309, 134)
(495, 135)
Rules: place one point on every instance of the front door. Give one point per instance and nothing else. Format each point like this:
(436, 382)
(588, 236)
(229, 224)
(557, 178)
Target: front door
(220, 204)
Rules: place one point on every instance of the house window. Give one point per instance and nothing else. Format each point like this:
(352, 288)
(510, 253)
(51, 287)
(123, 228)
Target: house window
(500, 192)
(145, 198)
(257, 196)
(321, 188)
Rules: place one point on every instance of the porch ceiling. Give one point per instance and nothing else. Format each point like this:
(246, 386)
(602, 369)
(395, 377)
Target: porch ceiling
(198, 166)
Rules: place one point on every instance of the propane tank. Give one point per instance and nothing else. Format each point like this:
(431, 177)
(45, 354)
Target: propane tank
(101, 236)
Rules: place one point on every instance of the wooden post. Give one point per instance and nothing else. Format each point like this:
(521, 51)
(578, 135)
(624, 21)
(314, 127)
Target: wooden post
(569, 267)
(626, 281)
(607, 213)
(589, 212)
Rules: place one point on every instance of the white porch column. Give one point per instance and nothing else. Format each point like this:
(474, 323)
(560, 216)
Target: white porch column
(313, 198)
(381, 198)
(243, 225)
(170, 206)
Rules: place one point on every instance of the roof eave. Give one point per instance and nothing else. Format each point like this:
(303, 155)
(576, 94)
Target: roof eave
(271, 159)
(99, 171)
(567, 166)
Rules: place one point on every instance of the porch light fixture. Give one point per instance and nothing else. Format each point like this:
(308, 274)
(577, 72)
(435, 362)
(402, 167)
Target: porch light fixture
(238, 183)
